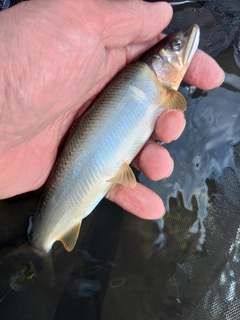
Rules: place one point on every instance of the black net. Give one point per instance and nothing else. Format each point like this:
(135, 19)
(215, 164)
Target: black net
(5, 4)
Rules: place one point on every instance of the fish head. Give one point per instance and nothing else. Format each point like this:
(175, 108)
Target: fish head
(170, 58)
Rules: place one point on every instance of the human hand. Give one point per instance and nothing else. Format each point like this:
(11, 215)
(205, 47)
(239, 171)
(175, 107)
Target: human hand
(58, 55)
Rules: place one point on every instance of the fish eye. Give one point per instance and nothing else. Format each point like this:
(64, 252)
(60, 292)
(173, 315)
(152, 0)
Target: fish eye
(157, 56)
(176, 44)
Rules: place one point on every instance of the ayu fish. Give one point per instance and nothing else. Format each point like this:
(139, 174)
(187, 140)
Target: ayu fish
(107, 138)
(109, 135)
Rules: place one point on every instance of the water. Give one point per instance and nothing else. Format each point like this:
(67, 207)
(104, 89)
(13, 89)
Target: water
(184, 266)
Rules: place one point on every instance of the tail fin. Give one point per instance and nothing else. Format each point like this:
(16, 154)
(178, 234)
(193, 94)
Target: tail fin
(30, 265)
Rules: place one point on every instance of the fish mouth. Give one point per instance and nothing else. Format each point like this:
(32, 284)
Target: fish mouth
(192, 43)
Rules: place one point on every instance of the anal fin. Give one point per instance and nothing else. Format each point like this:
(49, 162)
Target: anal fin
(69, 239)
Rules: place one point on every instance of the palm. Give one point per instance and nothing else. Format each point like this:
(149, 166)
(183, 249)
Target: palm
(58, 68)
(49, 106)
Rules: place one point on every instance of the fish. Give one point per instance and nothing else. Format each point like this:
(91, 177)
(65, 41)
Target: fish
(107, 137)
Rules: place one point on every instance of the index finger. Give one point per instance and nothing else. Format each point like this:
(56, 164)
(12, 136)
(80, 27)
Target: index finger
(134, 21)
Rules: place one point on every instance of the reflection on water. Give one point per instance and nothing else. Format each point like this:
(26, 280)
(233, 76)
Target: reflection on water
(184, 266)
(84, 288)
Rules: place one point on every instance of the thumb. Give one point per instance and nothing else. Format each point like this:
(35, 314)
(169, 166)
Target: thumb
(133, 21)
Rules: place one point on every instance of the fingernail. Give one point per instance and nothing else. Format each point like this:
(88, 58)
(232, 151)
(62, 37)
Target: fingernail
(223, 77)
(181, 130)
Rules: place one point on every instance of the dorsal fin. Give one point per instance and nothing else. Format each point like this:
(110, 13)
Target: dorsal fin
(69, 239)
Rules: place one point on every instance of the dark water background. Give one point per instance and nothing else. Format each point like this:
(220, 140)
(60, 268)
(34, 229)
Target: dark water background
(184, 266)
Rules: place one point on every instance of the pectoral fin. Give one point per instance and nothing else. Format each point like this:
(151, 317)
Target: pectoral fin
(69, 239)
(124, 176)
(174, 101)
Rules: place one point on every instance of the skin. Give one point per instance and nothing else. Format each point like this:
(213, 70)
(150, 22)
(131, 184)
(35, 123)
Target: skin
(56, 57)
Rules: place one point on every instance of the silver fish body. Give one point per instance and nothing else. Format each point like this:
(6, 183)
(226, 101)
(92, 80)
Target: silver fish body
(123, 118)
(106, 139)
